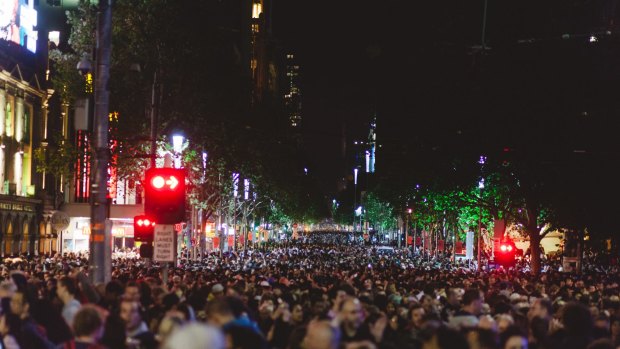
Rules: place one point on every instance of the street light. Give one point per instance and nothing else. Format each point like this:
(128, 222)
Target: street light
(409, 210)
(177, 146)
(480, 187)
(355, 170)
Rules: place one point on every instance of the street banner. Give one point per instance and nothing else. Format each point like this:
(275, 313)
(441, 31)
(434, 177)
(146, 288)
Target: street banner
(163, 243)
(409, 240)
(216, 242)
(440, 245)
(469, 245)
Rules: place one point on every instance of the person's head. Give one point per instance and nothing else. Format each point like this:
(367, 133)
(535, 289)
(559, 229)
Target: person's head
(297, 313)
(351, 312)
(453, 297)
(21, 303)
(503, 322)
(219, 312)
(321, 335)
(195, 336)
(132, 292)
(7, 289)
(542, 307)
(416, 315)
(217, 290)
(66, 289)
(472, 301)
(514, 338)
(130, 313)
(576, 319)
(88, 323)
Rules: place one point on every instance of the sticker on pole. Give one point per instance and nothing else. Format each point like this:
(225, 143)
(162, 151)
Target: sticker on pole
(163, 243)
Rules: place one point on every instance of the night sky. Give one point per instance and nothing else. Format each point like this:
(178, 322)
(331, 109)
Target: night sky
(415, 64)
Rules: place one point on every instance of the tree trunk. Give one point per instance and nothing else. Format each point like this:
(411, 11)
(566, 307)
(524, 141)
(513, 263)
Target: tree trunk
(534, 251)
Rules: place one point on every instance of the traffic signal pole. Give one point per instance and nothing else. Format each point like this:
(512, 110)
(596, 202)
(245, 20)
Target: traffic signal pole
(100, 257)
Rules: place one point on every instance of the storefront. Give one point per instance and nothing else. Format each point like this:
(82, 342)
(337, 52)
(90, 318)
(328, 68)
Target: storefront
(75, 238)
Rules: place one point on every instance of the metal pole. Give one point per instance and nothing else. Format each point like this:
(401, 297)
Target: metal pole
(154, 116)
(406, 229)
(99, 176)
(484, 26)
(479, 230)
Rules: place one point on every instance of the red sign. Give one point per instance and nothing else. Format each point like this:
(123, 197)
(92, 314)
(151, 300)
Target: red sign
(178, 227)
(440, 245)
(418, 241)
(231, 241)
(216, 242)
(459, 247)
(409, 240)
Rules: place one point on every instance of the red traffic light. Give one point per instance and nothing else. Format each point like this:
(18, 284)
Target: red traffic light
(145, 222)
(170, 182)
(506, 248)
(164, 195)
(143, 228)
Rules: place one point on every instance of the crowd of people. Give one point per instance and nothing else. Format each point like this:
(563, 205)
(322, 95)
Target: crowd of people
(322, 293)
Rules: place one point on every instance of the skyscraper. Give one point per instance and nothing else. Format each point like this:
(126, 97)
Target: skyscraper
(371, 151)
(292, 97)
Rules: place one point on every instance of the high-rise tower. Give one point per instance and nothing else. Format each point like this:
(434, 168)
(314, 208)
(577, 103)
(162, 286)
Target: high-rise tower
(292, 97)
(371, 151)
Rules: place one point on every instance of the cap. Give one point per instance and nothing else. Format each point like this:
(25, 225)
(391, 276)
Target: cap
(264, 284)
(217, 288)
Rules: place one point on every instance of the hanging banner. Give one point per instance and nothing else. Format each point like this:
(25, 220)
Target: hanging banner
(231, 241)
(216, 242)
(459, 247)
(469, 245)
(409, 240)
(440, 245)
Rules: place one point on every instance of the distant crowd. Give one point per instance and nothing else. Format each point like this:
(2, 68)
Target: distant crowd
(322, 293)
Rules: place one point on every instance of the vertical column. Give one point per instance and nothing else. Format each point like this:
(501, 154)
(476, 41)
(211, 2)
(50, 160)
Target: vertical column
(2, 149)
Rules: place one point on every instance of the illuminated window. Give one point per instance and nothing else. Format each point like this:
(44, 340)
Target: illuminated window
(255, 28)
(257, 9)
(8, 121)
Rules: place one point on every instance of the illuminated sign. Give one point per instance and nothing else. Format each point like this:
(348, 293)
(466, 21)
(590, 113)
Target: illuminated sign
(18, 18)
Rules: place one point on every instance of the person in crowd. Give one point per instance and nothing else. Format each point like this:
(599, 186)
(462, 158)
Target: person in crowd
(351, 318)
(196, 336)
(7, 289)
(33, 335)
(66, 290)
(471, 308)
(10, 331)
(321, 335)
(88, 327)
(138, 334)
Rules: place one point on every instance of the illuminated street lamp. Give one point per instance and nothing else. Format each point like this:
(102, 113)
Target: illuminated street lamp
(355, 170)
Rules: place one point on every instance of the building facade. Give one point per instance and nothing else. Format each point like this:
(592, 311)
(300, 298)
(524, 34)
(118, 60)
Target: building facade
(23, 110)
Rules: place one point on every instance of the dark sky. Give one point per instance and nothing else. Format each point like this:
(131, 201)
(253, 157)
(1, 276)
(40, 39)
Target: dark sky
(412, 63)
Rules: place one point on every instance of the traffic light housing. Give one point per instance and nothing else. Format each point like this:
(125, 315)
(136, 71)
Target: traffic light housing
(164, 195)
(143, 228)
(506, 254)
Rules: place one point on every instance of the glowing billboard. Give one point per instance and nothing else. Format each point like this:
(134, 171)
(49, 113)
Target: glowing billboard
(18, 18)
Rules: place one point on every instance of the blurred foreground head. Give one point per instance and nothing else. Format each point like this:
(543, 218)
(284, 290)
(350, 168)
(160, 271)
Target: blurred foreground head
(195, 336)
(321, 335)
